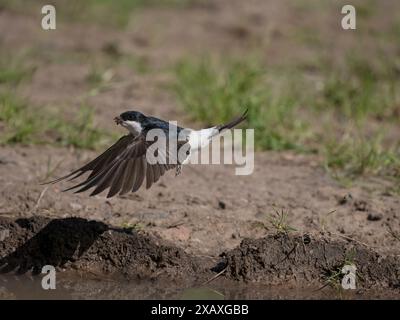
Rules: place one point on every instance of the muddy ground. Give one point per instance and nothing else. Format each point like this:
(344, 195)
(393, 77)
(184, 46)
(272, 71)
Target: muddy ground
(207, 221)
(81, 249)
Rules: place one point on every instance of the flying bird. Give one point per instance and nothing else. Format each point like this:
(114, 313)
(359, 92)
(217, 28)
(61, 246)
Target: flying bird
(123, 167)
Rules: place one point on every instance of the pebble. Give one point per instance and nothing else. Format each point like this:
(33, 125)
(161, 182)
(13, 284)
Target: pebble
(4, 234)
(374, 216)
(75, 206)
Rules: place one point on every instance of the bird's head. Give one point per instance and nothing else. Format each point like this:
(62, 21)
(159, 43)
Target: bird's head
(131, 120)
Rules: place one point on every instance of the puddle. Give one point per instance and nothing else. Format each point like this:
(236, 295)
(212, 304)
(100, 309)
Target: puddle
(79, 287)
(202, 294)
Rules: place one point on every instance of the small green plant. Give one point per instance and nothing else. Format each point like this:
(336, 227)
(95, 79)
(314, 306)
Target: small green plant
(333, 277)
(279, 221)
(137, 226)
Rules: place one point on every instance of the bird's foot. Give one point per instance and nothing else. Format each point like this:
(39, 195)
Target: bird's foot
(178, 170)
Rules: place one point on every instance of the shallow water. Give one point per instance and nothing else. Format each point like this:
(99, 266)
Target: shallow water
(92, 287)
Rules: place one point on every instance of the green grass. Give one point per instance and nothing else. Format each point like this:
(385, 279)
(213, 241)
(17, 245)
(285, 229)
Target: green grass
(117, 13)
(355, 156)
(99, 79)
(279, 221)
(362, 88)
(13, 70)
(334, 276)
(287, 110)
(80, 132)
(140, 64)
(214, 94)
(20, 124)
(108, 13)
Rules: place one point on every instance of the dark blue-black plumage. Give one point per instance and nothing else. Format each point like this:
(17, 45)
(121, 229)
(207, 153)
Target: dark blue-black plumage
(146, 122)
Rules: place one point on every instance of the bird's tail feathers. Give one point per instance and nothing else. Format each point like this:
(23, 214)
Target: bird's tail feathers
(232, 123)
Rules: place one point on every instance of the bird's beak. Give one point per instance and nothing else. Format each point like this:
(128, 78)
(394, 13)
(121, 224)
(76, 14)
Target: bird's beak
(118, 120)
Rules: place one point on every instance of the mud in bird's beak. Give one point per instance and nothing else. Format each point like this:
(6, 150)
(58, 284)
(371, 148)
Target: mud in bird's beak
(118, 120)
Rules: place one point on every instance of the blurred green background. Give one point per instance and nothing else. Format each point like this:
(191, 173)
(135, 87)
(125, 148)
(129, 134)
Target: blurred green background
(310, 86)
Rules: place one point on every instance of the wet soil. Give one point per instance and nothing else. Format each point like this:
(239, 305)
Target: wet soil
(109, 257)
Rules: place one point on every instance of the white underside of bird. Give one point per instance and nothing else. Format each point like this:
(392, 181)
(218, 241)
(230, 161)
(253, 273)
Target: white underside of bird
(197, 139)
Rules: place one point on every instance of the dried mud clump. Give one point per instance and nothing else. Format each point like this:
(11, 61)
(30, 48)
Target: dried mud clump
(279, 258)
(76, 243)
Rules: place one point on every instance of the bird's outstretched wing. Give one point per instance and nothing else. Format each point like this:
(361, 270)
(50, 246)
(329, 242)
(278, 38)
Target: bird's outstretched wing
(122, 168)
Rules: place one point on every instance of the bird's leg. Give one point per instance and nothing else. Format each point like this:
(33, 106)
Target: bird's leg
(178, 170)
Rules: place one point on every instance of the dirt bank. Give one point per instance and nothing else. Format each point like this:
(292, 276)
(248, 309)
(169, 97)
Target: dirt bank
(280, 258)
(76, 244)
